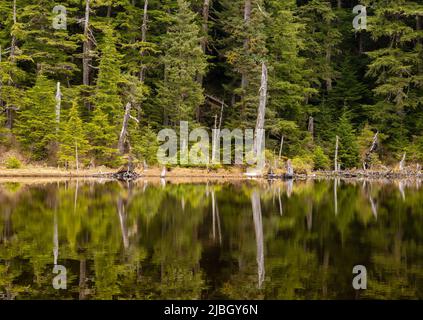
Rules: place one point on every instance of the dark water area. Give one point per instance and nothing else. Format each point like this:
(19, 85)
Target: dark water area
(226, 240)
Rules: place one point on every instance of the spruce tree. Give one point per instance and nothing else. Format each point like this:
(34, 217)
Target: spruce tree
(290, 87)
(109, 77)
(348, 147)
(179, 93)
(245, 48)
(396, 68)
(36, 126)
(73, 145)
(102, 138)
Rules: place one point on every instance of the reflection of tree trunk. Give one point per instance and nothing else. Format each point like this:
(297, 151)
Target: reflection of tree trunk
(123, 222)
(335, 195)
(215, 218)
(7, 230)
(55, 240)
(258, 228)
(82, 279)
(373, 205)
(289, 186)
(336, 154)
(76, 195)
(280, 202)
(325, 272)
(310, 215)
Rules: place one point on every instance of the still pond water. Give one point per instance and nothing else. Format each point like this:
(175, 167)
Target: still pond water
(226, 240)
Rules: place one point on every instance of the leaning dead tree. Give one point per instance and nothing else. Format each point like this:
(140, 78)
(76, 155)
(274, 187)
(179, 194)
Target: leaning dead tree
(373, 147)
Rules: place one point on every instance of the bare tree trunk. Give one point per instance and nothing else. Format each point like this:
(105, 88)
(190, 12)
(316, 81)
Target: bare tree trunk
(371, 150)
(144, 37)
(311, 126)
(247, 18)
(336, 154)
(280, 148)
(76, 156)
(402, 162)
(86, 48)
(328, 61)
(289, 169)
(203, 44)
(259, 132)
(1, 87)
(215, 140)
(339, 3)
(205, 26)
(58, 106)
(9, 110)
(13, 44)
(123, 132)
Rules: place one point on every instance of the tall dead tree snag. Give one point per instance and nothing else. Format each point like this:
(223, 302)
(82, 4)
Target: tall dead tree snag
(123, 137)
(13, 49)
(310, 127)
(402, 162)
(126, 172)
(86, 50)
(144, 38)
(259, 134)
(58, 106)
(280, 148)
(247, 18)
(336, 166)
(373, 147)
(86, 46)
(13, 43)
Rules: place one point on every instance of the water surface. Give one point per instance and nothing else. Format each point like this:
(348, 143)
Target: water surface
(226, 240)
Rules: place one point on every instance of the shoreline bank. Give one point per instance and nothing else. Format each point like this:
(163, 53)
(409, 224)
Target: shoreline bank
(223, 173)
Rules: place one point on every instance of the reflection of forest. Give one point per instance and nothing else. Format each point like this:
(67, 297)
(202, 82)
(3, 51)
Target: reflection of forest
(249, 240)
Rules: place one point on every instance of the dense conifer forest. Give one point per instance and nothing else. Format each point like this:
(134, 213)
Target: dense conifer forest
(68, 75)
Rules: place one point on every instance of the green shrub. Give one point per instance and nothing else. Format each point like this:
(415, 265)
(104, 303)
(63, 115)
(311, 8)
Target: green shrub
(13, 163)
(302, 164)
(321, 160)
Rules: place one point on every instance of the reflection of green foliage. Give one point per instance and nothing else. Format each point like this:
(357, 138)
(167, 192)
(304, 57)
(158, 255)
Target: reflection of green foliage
(12, 187)
(150, 242)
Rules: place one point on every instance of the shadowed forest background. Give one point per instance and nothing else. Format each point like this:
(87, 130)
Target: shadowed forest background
(179, 60)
